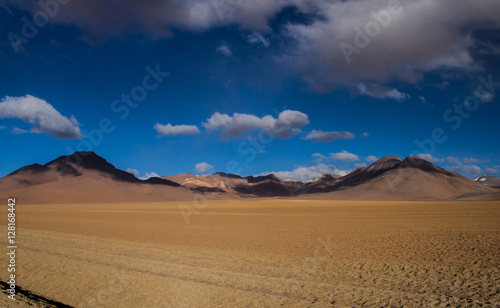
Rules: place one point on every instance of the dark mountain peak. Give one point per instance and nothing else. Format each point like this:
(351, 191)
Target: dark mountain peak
(330, 177)
(262, 178)
(385, 162)
(422, 164)
(489, 180)
(264, 189)
(160, 181)
(91, 161)
(88, 160)
(228, 175)
(364, 174)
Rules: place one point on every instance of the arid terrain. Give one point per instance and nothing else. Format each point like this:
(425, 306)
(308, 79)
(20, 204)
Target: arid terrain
(259, 253)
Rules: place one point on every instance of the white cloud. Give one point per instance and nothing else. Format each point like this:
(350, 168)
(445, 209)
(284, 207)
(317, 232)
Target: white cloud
(471, 160)
(484, 96)
(224, 50)
(371, 158)
(174, 130)
(491, 171)
(453, 160)
(156, 19)
(322, 136)
(14, 130)
(468, 170)
(365, 134)
(395, 51)
(307, 173)
(203, 167)
(344, 156)
(359, 165)
(18, 131)
(285, 126)
(133, 171)
(422, 99)
(381, 92)
(319, 157)
(42, 115)
(257, 38)
(430, 158)
(149, 175)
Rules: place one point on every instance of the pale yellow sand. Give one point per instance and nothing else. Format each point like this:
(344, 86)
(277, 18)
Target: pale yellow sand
(261, 253)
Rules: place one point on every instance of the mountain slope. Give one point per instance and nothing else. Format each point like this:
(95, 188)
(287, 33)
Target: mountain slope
(260, 186)
(489, 180)
(85, 177)
(413, 178)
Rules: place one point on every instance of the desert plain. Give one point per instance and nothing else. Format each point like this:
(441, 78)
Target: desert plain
(258, 253)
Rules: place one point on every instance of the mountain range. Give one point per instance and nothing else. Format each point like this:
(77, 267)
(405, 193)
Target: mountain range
(85, 177)
(492, 181)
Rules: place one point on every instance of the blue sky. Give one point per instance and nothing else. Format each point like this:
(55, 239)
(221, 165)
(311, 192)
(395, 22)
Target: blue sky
(299, 88)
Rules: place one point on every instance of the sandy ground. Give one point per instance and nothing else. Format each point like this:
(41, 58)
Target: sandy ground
(259, 254)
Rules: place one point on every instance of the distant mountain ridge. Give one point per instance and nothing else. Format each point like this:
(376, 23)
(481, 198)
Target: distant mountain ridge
(489, 180)
(87, 176)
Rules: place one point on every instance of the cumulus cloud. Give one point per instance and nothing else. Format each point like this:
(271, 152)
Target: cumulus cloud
(365, 134)
(203, 167)
(224, 50)
(393, 52)
(149, 175)
(321, 136)
(285, 126)
(471, 160)
(18, 131)
(468, 170)
(391, 49)
(371, 158)
(359, 165)
(42, 115)
(452, 160)
(257, 38)
(491, 171)
(429, 158)
(381, 92)
(112, 18)
(307, 173)
(133, 171)
(344, 156)
(319, 157)
(175, 130)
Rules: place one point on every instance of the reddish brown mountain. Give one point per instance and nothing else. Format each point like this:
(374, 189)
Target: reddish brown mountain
(85, 177)
(413, 178)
